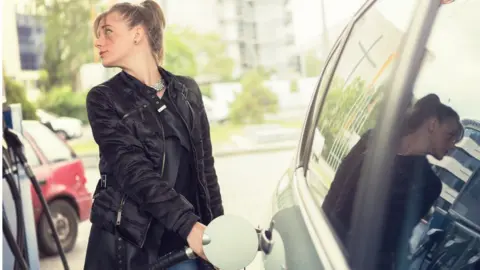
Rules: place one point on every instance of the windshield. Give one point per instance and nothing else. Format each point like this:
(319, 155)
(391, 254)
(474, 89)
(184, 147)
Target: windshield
(54, 149)
(43, 115)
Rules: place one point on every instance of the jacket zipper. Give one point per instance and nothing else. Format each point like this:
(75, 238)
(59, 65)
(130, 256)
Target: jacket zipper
(124, 197)
(129, 113)
(193, 147)
(164, 150)
(120, 209)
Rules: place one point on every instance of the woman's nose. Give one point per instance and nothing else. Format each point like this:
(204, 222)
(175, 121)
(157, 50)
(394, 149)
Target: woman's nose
(98, 43)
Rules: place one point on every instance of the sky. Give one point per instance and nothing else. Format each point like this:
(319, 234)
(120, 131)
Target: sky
(308, 17)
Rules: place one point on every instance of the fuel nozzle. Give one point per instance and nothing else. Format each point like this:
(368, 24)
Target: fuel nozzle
(265, 239)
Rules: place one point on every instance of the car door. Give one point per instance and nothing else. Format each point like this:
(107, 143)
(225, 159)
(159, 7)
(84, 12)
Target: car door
(355, 81)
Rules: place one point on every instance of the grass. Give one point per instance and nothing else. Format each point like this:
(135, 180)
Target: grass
(220, 134)
(84, 147)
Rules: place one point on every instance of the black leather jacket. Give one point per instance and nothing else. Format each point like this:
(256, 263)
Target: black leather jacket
(125, 127)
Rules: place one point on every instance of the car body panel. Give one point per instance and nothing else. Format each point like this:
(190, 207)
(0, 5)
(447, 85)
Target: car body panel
(63, 179)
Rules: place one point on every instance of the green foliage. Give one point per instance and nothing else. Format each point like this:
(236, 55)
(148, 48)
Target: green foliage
(190, 53)
(338, 115)
(68, 39)
(62, 101)
(335, 112)
(15, 93)
(313, 64)
(179, 56)
(294, 86)
(43, 80)
(206, 90)
(213, 58)
(254, 101)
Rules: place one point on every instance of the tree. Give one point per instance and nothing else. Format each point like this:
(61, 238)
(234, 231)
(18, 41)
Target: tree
(313, 64)
(197, 55)
(254, 101)
(349, 109)
(208, 50)
(336, 110)
(61, 101)
(213, 58)
(15, 93)
(294, 86)
(180, 58)
(68, 39)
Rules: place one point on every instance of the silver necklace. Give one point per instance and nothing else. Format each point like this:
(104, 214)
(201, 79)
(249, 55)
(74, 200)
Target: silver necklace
(159, 86)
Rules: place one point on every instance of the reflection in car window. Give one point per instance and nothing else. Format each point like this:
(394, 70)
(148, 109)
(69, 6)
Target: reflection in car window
(51, 146)
(30, 154)
(350, 107)
(432, 161)
(457, 89)
(455, 169)
(467, 204)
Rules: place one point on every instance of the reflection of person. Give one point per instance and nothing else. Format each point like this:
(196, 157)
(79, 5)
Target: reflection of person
(154, 140)
(430, 128)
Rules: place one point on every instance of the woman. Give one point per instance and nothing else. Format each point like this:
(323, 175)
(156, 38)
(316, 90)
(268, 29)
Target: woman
(430, 128)
(159, 186)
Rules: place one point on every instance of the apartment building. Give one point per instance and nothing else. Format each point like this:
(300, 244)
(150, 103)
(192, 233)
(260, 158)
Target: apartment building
(259, 33)
(22, 53)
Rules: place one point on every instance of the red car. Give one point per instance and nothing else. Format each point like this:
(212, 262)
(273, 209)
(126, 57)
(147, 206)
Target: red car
(62, 178)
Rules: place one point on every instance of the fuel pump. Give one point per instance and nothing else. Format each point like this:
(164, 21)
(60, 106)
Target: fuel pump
(20, 239)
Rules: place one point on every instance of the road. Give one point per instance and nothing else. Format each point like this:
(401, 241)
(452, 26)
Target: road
(247, 183)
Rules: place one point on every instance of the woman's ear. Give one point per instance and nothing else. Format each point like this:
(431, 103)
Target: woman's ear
(138, 34)
(432, 124)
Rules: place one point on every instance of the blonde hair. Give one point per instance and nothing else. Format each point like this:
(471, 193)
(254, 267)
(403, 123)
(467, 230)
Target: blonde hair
(148, 14)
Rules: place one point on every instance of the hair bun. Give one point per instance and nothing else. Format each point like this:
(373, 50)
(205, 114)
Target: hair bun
(154, 10)
(428, 101)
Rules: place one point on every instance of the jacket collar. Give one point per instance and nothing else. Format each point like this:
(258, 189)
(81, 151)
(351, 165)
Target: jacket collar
(170, 79)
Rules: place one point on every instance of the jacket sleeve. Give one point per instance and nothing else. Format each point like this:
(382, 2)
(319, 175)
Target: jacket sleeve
(133, 170)
(209, 162)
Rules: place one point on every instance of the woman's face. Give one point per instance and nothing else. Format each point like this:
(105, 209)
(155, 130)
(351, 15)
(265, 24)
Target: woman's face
(443, 137)
(114, 40)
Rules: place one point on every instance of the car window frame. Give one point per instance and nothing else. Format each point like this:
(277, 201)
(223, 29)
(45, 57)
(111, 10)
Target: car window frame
(329, 249)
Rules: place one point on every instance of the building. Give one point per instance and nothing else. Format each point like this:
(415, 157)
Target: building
(22, 56)
(197, 15)
(259, 33)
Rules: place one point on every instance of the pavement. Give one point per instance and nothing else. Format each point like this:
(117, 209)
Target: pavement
(254, 139)
(247, 182)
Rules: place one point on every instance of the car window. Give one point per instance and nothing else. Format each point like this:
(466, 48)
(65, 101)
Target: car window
(433, 160)
(351, 104)
(54, 149)
(30, 153)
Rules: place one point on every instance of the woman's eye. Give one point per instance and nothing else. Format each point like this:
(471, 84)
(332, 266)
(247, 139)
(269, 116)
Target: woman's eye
(108, 32)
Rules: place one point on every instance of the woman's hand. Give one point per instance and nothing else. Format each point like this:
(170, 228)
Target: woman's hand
(195, 239)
